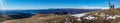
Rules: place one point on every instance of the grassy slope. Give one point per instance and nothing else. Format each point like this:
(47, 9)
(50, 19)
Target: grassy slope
(45, 19)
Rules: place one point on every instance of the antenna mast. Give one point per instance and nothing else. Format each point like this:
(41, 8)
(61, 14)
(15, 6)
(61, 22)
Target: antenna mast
(109, 2)
(111, 6)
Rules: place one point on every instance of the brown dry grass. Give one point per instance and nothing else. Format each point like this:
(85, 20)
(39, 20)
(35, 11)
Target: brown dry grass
(45, 18)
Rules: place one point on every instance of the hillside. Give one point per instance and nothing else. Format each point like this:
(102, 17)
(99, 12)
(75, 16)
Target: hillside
(109, 12)
(45, 18)
(103, 16)
(19, 14)
(5, 18)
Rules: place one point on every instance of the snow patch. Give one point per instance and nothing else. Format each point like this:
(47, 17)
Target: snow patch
(113, 17)
(89, 17)
(79, 15)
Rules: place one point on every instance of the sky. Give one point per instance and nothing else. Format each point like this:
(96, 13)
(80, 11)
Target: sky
(48, 4)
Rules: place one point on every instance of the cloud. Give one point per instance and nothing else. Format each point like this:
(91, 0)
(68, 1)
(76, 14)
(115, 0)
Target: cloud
(93, 7)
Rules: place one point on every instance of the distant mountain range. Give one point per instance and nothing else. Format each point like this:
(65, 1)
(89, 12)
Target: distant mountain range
(47, 11)
(28, 13)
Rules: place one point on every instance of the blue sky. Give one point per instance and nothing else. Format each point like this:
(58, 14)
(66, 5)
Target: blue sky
(46, 4)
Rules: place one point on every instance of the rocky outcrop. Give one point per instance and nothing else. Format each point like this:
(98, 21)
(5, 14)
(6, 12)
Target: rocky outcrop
(108, 16)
